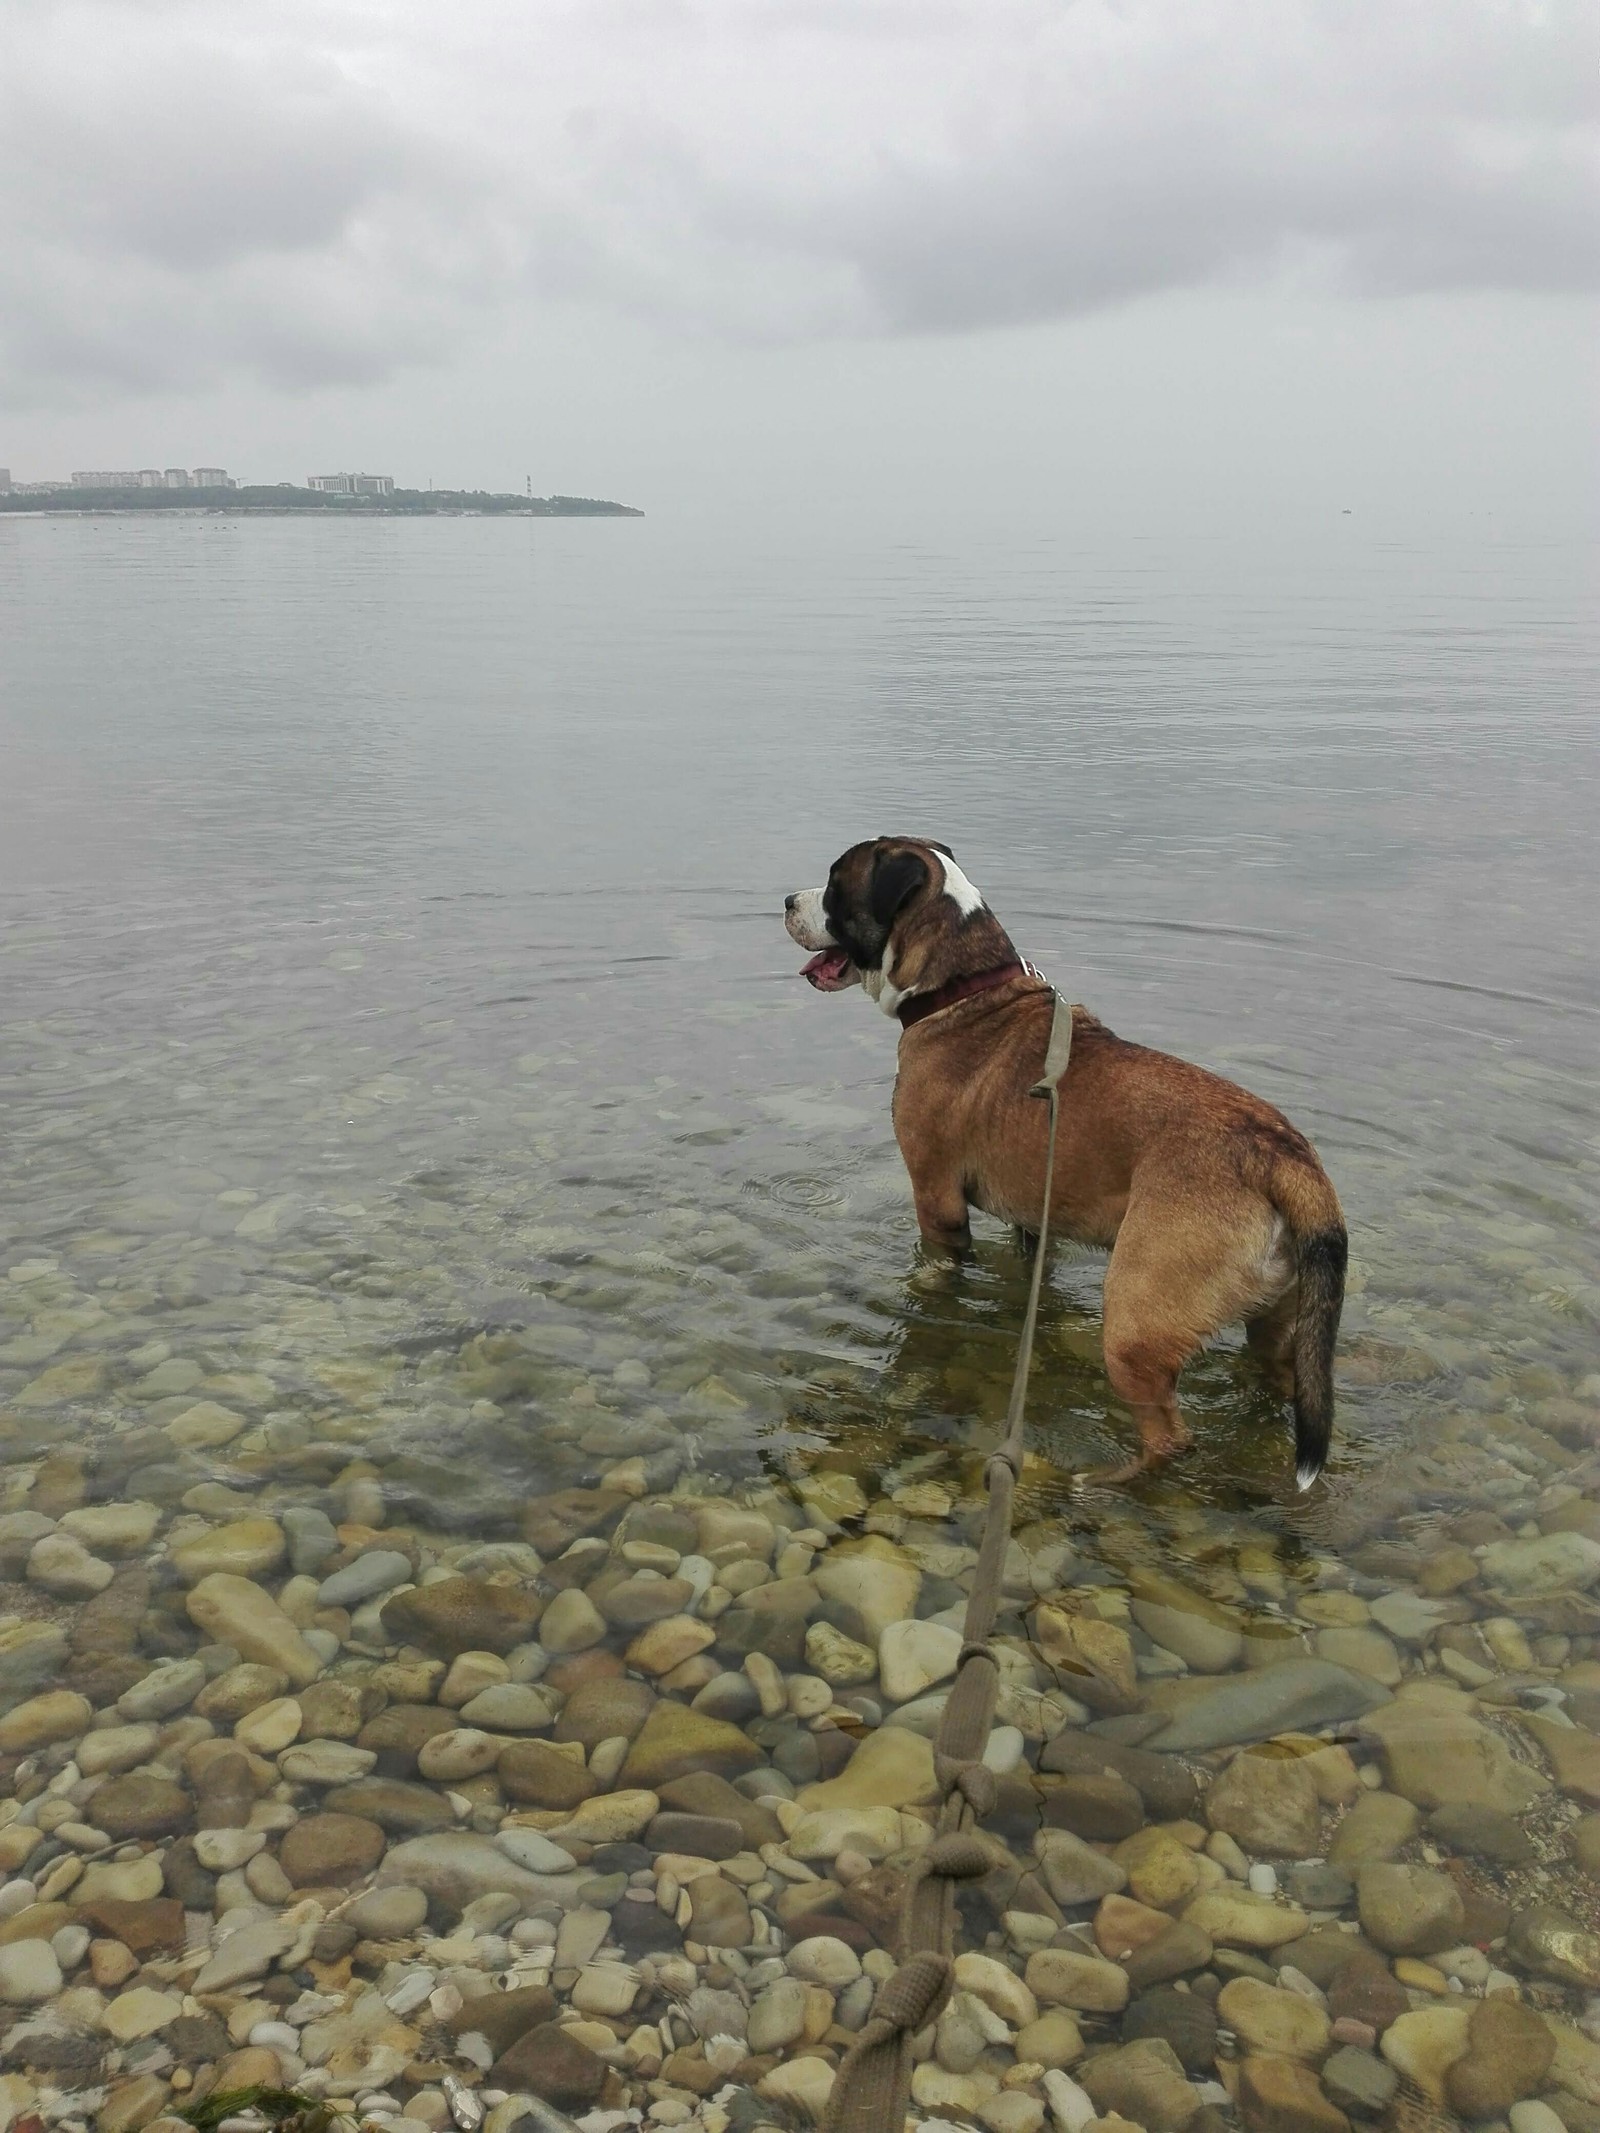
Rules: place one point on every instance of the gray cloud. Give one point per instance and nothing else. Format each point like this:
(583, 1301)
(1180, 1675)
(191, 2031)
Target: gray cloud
(324, 192)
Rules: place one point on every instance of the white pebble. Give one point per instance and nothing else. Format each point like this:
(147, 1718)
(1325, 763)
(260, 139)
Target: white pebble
(411, 1991)
(1535, 2117)
(276, 2036)
(1293, 1980)
(1070, 2106)
(1003, 1751)
(1263, 1879)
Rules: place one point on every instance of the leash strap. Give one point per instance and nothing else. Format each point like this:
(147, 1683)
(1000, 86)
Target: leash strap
(872, 2089)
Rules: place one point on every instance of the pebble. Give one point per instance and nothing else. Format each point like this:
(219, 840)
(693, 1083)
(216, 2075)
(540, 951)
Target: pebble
(838, 1659)
(998, 1987)
(141, 2013)
(892, 1767)
(1362, 1650)
(1535, 2117)
(1510, 2050)
(248, 1952)
(310, 1536)
(1546, 1562)
(1143, 2082)
(778, 2016)
(1057, 1977)
(63, 1567)
(244, 1547)
(450, 1831)
(1268, 2019)
(509, 1707)
(571, 1623)
(1435, 1753)
(325, 1762)
(114, 1529)
(1376, 1827)
(1051, 2039)
(1408, 1910)
(1299, 1696)
(1071, 2107)
(164, 1691)
(1201, 1634)
(1359, 2083)
(59, 1714)
(825, 1961)
(233, 1610)
(378, 1570)
(1285, 2095)
(1551, 1943)
(912, 1656)
(1266, 1804)
(29, 1972)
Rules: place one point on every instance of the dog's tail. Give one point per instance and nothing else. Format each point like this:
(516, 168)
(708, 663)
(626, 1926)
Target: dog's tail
(1308, 1203)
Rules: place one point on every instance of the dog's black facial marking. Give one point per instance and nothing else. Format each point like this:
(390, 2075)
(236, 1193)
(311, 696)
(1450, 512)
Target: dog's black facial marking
(850, 926)
(868, 888)
(896, 878)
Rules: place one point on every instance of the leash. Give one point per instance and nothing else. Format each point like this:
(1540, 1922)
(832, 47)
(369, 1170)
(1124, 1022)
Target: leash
(872, 2089)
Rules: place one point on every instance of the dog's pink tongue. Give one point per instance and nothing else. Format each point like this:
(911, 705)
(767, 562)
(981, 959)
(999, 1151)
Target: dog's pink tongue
(826, 969)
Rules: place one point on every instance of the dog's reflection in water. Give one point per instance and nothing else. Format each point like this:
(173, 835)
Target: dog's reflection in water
(935, 1408)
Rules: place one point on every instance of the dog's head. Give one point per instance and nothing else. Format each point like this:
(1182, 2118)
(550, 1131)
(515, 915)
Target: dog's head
(896, 916)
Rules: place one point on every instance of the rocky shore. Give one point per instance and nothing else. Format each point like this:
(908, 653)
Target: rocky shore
(610, 1821)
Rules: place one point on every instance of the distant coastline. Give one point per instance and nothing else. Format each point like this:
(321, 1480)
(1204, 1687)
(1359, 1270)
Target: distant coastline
(283, 497)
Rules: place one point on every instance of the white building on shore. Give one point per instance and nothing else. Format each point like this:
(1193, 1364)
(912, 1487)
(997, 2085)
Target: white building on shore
(351, 484)
(152, 478)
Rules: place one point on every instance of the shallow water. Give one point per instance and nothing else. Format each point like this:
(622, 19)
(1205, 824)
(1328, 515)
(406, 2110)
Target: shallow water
(391, 953)
(413, 1113)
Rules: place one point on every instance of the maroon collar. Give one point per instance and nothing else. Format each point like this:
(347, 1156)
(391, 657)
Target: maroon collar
(922, 1004)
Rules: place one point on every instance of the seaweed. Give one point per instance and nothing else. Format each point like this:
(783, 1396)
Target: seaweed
(285, 2109)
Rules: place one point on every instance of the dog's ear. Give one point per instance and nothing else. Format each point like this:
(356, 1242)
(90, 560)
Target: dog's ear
(896, 878)
(943, 850)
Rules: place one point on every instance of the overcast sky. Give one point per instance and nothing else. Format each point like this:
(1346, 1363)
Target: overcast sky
(715, 250)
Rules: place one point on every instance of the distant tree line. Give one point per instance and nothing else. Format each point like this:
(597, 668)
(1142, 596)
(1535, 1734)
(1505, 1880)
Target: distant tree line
(283, 496)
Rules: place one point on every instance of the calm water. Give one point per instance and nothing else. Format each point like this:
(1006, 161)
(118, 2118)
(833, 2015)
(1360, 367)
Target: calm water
(392, 958)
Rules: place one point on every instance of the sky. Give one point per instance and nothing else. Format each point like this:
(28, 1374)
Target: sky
(719, 254)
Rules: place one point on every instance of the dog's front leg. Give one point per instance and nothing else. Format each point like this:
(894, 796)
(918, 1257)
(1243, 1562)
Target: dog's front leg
(942, 1212)
(934, 1167)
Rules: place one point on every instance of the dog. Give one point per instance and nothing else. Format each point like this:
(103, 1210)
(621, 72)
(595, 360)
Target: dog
(1214, 1208)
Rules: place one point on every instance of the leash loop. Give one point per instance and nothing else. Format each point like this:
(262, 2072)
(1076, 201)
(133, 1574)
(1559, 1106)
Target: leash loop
(872, 2089)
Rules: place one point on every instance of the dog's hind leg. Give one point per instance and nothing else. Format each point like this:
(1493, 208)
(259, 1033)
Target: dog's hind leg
(1269, 1336)
(1163, 1297)
(1145, 1378)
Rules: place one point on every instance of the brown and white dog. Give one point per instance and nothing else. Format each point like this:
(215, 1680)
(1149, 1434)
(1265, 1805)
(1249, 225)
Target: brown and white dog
(1214, 1208)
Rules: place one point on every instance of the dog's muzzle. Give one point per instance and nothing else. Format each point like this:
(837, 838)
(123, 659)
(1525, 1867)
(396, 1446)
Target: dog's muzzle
(830, 968)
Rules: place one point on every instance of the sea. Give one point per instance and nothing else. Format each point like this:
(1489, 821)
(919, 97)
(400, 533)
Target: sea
(400, 1033)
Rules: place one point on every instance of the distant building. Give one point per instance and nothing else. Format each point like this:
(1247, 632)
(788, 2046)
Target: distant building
(125, 480)
(212, 478)
(5, 481)
(176, 478)
(38, 488)
(352, 484)
(150, 478)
